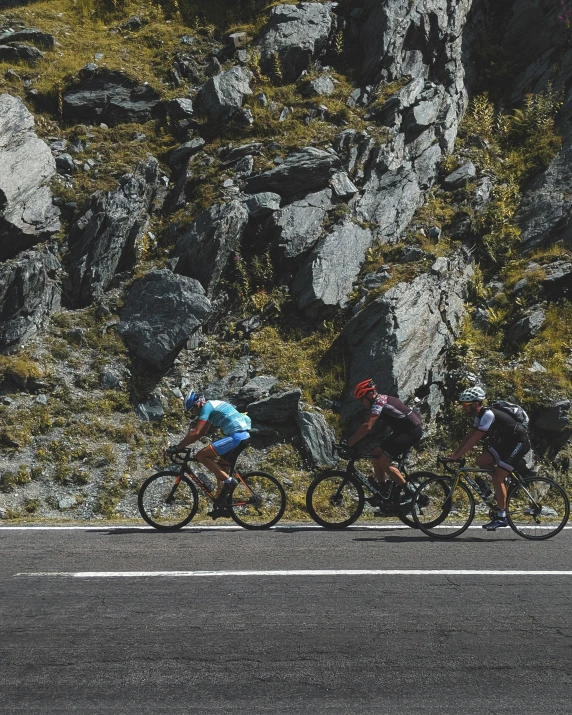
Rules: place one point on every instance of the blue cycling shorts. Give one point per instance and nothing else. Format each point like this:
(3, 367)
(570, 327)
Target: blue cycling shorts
(227, 444)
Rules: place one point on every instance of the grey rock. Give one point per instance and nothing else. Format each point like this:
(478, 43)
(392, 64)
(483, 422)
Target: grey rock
(257, 388)
(297, 33)
(30, 292)
(342, 185)
(230, 384)
(109, 379)
(18, 52)
(185, 151)
(41, 399)
(558, 278)
(65, 164)
(401, 339)
(375, 280)
(460, 176)
(135, 22)
(104, 236)
(224, 94)
(317, 437)
(483, 194)
(276, 409)
(412, 253)
(180, 108)
(161, 313)
(31, 35)
(204, 248)
(262, 204)
(306, 170)
(66, 503)
(527, 327)
(325, 280)
(295, 229)
(422, 115)
(554, 418)
(322, 86)
(27, 215)
(104, 95)
(230, 155)
(152, 410)
(537, 367)
(243, 167)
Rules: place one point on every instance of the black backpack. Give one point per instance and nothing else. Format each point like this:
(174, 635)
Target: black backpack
(514, 411)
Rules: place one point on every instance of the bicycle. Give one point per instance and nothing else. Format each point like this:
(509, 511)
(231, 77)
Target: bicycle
(537, 507)
(169, 499)
(335, 499)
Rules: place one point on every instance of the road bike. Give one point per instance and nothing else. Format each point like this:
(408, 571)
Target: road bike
(336, 499)
(169, 499)
(537, 507)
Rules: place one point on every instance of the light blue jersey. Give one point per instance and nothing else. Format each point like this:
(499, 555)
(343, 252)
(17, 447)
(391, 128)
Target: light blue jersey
(224, 416)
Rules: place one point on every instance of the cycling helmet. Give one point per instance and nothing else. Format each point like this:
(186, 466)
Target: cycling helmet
(472, 394)
(363, 387)
(191, 399)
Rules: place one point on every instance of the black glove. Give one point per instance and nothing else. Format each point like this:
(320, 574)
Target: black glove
(172, 450)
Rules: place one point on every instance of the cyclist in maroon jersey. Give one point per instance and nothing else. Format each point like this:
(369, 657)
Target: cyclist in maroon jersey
(406, 431)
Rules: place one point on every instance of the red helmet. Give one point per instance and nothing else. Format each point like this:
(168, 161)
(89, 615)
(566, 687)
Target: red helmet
(363, 387)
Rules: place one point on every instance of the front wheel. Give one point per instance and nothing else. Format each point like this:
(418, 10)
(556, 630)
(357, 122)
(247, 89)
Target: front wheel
(334, 500)
(258, 501)
(167, 501)
(404, 498)
(537, 508)
(441, 509)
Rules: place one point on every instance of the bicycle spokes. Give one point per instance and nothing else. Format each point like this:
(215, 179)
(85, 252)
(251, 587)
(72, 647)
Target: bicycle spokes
(537, 508)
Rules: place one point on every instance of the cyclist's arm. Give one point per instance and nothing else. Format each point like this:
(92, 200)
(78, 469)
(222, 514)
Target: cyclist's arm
(194, 434)
(471, 439)
(362, 431)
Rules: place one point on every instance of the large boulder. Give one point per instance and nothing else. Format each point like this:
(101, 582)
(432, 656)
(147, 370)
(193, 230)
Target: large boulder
(18, 52)
(31, 35)
(103, 238)
(27, 214)
(306, 170)
(293, 230)
(324, 282)
(277, 409)
(109, 96)
(554, 418)
(526, 327)
(202, 252)
(30, 292)
(297, 33)
(161, 313)
(400, 339)
(223, 95)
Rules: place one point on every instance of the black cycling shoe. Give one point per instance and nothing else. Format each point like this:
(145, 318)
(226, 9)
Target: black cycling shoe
(226, 491)
(219, 511)
(375, 500)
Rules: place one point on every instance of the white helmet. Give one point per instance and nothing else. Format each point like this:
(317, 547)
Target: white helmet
(472, 394)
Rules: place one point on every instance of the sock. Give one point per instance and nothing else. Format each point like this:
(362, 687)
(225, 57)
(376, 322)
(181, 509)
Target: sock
(227, 481)
(501, 513)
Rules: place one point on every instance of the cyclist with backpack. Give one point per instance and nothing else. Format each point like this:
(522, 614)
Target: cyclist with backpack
(235, 427)
(508, 442)
(406, 431)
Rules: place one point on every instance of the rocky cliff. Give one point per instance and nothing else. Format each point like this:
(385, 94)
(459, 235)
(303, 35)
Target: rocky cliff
(269, 203)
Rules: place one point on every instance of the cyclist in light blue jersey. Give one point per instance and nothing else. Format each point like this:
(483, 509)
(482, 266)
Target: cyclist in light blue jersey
(217, 456)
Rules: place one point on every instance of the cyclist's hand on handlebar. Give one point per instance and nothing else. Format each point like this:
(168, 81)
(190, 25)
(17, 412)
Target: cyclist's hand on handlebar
(170, 450)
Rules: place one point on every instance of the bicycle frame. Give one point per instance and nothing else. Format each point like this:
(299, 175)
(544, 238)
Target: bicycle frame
(186, 469)
(364, 480)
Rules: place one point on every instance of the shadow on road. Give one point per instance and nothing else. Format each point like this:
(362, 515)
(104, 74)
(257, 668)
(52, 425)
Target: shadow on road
(410, 539)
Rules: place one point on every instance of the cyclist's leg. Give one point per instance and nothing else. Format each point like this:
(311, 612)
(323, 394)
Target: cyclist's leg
(392, 447)
(224, 446)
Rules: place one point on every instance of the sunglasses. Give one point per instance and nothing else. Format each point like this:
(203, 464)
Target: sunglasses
(466, 404)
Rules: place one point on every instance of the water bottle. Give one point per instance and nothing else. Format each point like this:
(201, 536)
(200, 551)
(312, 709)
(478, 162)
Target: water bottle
(205, 481)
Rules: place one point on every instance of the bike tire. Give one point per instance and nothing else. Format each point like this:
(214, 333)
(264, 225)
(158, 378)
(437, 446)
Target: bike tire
(331, 510)
(153, 505)
(404, 500)
(542, 518)
(258, 502)
(441, 511)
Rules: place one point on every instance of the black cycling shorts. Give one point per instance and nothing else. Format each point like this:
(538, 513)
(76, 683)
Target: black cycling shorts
(508, 454)
(397, 443)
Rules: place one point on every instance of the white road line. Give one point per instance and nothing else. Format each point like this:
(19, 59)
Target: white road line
(293, 572)
(222, 527)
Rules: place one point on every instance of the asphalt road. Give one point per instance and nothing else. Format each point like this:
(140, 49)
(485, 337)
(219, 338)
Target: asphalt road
(77, 635)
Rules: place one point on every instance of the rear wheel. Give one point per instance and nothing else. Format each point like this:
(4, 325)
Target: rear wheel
(537, 508)
(258, 501)
(167, 501)
(334, 500)
(442, 510)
